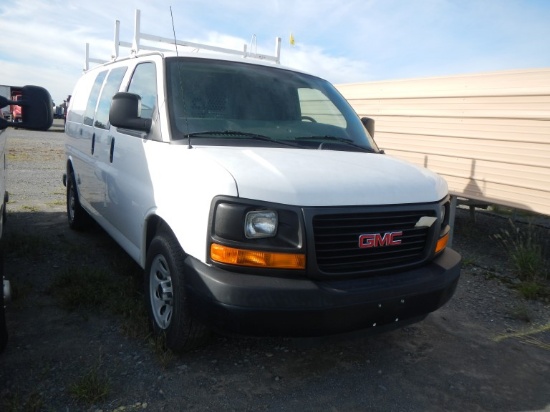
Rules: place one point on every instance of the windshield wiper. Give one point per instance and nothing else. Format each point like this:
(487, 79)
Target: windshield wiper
(348, 142)
(237, 133)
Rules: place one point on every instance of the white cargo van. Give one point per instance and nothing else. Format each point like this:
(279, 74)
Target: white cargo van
(254, 198)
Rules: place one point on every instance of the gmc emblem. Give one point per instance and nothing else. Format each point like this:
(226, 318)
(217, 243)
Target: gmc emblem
(378, 240)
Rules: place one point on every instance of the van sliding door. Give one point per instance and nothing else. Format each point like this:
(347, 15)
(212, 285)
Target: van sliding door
(102, 140)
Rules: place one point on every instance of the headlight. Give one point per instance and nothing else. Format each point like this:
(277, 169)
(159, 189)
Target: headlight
(261, 224)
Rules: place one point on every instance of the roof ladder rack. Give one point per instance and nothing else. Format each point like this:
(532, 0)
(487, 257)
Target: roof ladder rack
(136, 46)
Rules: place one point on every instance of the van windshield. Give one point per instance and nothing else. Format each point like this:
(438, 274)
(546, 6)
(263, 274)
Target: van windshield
(224, 102)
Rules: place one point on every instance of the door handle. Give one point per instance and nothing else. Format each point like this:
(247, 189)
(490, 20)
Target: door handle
(93, 143)
(112, 150)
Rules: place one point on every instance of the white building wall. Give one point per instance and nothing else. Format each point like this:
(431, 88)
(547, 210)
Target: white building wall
(487, 134)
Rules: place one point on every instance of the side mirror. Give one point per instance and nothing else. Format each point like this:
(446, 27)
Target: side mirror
(125, 112)
(369, 125)
(36, 109)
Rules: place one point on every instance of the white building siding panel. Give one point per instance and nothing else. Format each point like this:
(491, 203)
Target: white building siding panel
(487, 134)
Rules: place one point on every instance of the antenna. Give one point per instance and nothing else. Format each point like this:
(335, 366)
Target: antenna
(174, 31)
(181, 83)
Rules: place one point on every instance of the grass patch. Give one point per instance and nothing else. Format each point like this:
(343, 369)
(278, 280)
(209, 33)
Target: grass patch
(18, 155)
(31, 209)
(25, 245)
(468, 261)
(32, 402)
(88, 288)
(164, 355)
(92, 387)
(528, 252)
(118, 291)
(85, 288)
(78, 288)
(531, 289)
(521, 312)
(126, 267)
(75, 248)
(56, 203)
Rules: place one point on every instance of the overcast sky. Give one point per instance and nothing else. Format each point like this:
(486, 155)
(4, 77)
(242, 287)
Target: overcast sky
(344, 41)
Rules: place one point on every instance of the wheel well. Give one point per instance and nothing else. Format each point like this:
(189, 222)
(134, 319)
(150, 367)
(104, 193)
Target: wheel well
(69, 167)
(155, 224)
(68, 171)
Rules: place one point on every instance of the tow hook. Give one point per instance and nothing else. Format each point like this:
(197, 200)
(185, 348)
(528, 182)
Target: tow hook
(7, 290)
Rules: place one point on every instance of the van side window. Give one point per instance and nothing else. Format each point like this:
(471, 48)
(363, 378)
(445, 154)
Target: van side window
(112, 85)
(144, 83)
(92, 101)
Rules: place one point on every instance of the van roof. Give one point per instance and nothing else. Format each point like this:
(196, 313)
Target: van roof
(195, 55)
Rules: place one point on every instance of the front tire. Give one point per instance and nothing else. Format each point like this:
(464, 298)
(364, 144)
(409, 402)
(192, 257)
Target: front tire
(167, 303)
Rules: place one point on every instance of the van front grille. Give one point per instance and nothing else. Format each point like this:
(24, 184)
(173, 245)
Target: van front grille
(389, 239)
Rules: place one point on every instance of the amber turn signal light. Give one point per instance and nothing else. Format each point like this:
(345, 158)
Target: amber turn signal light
(442, 243)
(256, 258)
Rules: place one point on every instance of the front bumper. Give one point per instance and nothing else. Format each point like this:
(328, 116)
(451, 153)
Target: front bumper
(274, 306)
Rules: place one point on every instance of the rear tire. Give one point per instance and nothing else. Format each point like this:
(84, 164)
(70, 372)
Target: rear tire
(77, 217)
(167, 302)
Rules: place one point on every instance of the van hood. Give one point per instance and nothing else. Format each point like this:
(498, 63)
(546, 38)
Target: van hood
(325, 177)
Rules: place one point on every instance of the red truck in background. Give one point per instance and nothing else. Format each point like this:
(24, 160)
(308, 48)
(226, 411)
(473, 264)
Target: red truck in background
(15, 110)
(11, 112)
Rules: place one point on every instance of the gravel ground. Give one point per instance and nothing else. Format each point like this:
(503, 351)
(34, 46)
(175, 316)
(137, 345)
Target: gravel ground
(466, 356)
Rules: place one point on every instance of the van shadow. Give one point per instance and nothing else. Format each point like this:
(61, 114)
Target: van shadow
(40, 245)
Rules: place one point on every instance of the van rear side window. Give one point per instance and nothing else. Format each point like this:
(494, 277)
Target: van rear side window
(92, 100)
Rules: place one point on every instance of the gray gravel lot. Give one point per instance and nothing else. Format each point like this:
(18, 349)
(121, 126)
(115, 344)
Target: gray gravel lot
(453, 360)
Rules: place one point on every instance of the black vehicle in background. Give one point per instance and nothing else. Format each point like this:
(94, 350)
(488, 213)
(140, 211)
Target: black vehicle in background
(36, 114)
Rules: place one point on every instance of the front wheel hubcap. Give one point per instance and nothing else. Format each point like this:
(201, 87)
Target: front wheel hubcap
(161, 292)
